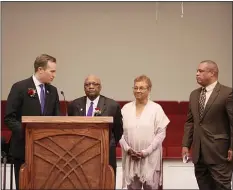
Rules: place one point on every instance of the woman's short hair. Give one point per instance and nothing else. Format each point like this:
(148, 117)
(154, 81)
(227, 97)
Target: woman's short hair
(143, 78)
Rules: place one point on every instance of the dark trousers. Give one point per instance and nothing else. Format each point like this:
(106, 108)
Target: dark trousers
(17, 165)
(112, 160)
(213, 176)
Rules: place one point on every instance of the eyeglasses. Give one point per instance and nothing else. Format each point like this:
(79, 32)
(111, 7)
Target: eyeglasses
(202, 71)
(91, 83)
(141, 89)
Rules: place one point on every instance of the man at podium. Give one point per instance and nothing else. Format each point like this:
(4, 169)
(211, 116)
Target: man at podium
(34, 96)
(94, 104)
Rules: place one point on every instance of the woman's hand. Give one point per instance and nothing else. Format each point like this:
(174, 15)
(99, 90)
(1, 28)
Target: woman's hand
(140, 155)
(131, 152)
(134, 155)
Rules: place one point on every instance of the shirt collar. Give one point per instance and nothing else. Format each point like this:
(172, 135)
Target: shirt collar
(36, 81)
(95, 101)
(211, 86)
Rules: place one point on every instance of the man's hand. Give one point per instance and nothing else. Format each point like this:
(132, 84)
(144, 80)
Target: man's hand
(229, 157)
(185, 152)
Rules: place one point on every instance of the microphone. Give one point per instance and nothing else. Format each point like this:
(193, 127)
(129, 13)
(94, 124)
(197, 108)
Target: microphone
(63, 94)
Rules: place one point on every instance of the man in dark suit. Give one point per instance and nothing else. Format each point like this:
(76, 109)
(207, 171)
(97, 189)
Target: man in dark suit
(209, 129)
(86, 105)
(34, 96)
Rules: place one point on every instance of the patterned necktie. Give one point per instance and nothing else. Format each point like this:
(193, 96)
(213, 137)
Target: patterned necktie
(90, 110)
(202, 102)
(42, 97)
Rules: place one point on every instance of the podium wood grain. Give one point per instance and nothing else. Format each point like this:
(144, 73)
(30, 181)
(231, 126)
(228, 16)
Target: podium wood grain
(67, 153)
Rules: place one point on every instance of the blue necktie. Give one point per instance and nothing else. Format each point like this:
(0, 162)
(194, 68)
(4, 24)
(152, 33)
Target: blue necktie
(42, 97)
(90, 110)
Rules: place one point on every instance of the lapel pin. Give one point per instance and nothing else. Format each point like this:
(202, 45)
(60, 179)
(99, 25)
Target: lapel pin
(81, 109)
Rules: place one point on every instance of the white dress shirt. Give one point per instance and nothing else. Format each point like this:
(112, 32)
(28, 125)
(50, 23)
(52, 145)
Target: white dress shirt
(95, 103)
(209, 90)
(37, 84)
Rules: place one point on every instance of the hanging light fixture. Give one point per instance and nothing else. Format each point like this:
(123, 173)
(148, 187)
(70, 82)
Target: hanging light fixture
(182, 9)
(156, 10)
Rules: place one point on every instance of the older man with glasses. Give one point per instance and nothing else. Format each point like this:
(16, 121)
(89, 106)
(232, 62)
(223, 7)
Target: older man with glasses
(86, 106)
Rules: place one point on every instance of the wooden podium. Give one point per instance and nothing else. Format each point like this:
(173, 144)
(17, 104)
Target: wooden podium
(66, 152)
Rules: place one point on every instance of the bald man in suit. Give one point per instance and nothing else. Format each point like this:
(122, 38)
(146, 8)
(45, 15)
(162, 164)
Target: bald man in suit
(209, 129)
(81, 107)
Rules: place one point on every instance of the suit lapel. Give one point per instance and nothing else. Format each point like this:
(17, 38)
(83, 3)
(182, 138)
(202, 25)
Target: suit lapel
(47, 97)
(102, 105)
(211, 99)
(196, 102)
(35, 99)
(81, 107)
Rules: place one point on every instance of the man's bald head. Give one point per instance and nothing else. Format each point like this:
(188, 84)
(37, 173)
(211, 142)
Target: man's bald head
(92, 86)
(92, 78)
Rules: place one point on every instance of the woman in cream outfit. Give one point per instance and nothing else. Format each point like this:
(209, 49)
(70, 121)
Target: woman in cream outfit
(144, 123)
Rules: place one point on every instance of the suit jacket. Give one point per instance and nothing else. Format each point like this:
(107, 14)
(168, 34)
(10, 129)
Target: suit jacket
(20, 103)
(214, 131)
(108, 107)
